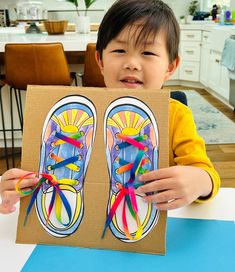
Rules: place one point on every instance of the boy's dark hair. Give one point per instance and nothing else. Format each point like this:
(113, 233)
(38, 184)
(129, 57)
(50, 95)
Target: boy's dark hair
(156, 16)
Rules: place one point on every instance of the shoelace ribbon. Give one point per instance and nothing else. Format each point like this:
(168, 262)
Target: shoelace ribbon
(127, 190)
(58, 198)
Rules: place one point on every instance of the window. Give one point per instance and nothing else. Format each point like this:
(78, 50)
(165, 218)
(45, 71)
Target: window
(221, 3)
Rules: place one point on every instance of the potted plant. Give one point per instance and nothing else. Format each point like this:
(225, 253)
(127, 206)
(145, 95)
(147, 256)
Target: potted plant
(82, 22)
(192, 9)
(182, 19)
(75, 2)
(88, 3)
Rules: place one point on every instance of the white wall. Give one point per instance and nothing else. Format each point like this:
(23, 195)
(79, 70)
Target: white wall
(232, 4)
(63, 5)
(180, 7)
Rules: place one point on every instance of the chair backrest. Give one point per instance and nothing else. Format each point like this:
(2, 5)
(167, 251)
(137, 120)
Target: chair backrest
(36, 64)
(2, 83)
(92, 76)
(180, 96)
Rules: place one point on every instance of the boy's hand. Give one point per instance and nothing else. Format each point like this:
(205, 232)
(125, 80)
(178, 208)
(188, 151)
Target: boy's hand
(175, 186)
(7, 188)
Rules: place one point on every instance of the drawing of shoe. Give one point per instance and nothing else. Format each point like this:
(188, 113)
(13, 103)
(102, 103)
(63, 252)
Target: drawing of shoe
(131, 139)
(66, 145)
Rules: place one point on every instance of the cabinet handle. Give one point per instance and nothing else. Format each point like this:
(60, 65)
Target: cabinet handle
(190, 36)
(217, 60)
(188, 71)
(190, 51)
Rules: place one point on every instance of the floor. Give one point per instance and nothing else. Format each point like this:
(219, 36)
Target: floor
(222, 155)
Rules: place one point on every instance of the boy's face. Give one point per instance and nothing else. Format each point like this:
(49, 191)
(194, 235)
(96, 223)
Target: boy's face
(125, 65)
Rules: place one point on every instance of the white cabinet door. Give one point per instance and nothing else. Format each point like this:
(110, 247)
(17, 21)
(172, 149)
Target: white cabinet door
(206, 37)
(218, 76)
(214, 71)
(189, 70)
(204, 65)
(190, 51)
(191, 35)
(224, 82)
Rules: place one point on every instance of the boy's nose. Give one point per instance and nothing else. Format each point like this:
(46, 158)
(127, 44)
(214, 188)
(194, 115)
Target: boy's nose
(132, 64)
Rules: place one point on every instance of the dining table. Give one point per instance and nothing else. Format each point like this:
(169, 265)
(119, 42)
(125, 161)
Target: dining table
(199, 237)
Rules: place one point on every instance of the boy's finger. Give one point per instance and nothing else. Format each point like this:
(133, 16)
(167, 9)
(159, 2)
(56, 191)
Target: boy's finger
(10, 197)
(156, 185)
(25, 183)
(16, 173)
(162, 197)
(156, 174)
(6, 209)
(175, 204)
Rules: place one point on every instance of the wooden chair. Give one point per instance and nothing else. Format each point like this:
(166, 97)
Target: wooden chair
(92, 76)
(180, 96)
(3, 130)
(33, 64)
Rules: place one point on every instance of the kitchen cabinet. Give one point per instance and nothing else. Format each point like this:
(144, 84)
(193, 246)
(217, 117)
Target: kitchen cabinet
(205, 58)
(224, 83)
(190, 52)
(214, 68)
(204, 65)
(201, 47)
(189, 70)
(218, 75)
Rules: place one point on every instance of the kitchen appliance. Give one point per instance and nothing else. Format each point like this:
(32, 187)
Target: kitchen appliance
(4, 18)
(31, 12)
(200, 15)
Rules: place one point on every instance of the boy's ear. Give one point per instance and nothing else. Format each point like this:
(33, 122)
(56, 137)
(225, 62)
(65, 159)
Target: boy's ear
(172, 67)
(99, 61)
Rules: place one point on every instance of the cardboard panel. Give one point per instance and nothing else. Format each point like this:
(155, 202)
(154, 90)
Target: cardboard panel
(39, 101)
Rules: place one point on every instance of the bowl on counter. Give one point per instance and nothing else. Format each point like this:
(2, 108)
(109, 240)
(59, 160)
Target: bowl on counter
(55, 27)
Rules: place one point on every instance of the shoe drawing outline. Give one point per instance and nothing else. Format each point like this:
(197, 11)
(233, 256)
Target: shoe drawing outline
(66, 144)
(129, 126)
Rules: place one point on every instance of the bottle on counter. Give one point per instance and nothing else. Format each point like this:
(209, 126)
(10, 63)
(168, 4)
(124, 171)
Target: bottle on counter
(227, 15)
(222, 16)
(214, 12)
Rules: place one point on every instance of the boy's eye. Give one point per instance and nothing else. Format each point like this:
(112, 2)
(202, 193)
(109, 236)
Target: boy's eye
(148, 53)
(120, 51)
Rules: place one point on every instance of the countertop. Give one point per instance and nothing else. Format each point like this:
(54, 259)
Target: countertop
(71, 41)
(198, 25)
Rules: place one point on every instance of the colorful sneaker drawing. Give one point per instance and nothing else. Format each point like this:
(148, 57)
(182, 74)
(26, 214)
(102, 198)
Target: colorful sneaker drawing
(67, 138)
(131, 139)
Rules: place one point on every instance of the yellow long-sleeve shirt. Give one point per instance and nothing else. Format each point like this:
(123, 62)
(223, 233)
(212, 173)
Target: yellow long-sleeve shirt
(186, 147)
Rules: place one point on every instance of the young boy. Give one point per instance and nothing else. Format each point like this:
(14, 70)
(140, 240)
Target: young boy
(137, 47)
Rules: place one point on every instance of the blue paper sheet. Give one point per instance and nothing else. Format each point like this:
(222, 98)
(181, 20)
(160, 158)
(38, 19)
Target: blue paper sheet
(192, 245)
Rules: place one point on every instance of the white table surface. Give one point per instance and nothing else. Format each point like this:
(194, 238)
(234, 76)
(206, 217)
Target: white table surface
(71, 41)
(13, 256)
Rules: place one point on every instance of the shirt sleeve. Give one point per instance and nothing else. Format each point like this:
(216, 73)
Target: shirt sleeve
(187, 147)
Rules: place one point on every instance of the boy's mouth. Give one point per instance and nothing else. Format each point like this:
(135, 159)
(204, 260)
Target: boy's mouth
(131, 82)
